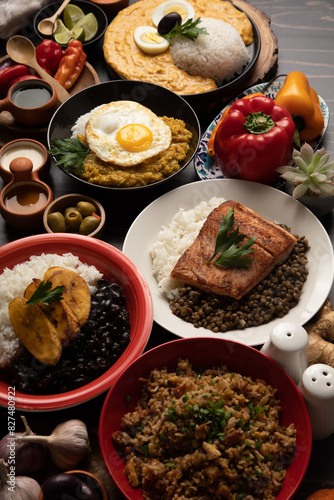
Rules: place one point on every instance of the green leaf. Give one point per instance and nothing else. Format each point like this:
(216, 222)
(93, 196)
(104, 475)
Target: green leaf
(46, 294)
(188, 29)
(70, 153)
(227, 242)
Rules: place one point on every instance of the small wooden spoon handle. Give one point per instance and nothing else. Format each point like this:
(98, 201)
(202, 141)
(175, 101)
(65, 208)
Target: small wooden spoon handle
(62, 94)
(59, 11)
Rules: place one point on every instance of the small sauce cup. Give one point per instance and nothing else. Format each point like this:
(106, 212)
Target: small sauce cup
(31, 102)
(24, 199)
(27, 148)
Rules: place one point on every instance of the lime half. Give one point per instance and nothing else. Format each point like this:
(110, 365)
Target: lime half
(72, 15)
(89, 24)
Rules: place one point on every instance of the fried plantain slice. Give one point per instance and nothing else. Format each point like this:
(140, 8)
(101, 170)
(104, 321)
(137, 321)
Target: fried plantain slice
(35, 331)
(59, 313)
(75, 293)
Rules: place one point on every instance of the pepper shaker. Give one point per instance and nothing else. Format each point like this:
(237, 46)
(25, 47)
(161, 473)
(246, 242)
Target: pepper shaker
(317, 388)
(286, 346)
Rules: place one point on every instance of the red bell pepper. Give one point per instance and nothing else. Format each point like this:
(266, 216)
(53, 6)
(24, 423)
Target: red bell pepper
(7, 75)
(254, 139)
(49, 54)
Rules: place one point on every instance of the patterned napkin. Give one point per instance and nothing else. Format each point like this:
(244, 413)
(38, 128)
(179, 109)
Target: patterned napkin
(16, 15)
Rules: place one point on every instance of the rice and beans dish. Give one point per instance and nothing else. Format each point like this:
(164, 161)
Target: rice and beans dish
(202, 434)
(49, 348)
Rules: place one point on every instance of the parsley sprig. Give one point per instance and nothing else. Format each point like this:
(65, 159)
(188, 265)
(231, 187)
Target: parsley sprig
(46, 294)
(70, 153)
(188, 29)
(227, 244)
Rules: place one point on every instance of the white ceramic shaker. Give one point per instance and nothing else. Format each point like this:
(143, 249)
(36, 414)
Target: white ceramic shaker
(286, 346)
(317, 388)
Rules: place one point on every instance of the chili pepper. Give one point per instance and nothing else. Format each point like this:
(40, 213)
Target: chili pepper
(211, 150)
(9, 74)
(302, 102)
(71, 65)
(254, 139)
(49, 54)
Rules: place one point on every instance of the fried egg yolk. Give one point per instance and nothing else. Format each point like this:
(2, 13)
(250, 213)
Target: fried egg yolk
(126, 133)
(134, 137)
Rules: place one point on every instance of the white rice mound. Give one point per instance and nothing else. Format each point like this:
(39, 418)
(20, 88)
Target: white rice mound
(174, 239)
(219, 55)
(14, 281)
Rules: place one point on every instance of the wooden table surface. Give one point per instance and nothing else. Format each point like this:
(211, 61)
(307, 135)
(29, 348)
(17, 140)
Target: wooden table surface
(305, 36)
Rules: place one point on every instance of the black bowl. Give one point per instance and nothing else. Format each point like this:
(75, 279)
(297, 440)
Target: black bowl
(161, 101)
(212, 101)
(86, 7)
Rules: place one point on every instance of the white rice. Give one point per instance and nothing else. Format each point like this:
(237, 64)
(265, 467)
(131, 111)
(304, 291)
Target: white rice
(174, 239)
(79, 127)
(14, 281)
(219, 55)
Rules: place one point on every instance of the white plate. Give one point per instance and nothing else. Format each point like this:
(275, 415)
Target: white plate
(206, 166)
(268, 202)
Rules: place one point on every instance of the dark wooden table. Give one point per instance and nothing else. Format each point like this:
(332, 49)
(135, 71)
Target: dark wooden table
(305, 37)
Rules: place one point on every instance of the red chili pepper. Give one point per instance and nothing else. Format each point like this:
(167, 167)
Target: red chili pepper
(49, 54)
(254, 139)
(9, 74)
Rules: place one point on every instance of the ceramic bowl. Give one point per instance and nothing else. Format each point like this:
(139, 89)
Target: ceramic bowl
(70, 200)
(50, 9)
(205, 353)
(113, 265)
(28, 148)
(91, 480)
(161, 101)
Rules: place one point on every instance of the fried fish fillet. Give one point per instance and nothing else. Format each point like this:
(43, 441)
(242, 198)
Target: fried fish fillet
(272, 246)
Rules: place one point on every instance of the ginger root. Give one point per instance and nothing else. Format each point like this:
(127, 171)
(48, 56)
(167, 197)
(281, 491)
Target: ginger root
(320, 347)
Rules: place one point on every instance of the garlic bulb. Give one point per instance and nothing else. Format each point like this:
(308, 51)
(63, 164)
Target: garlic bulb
(68, 443)
(17, 487)
(28, 457)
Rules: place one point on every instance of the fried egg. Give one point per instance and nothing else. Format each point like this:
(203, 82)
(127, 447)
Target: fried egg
(126, 133)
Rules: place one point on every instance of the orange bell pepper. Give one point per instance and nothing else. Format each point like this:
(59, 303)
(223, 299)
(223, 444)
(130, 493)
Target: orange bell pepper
(71, 65)
(302, 102)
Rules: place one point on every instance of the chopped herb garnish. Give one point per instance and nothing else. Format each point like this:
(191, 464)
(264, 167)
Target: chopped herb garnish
(232, 254)
(70, 153)
(188, 29)
(127, 399)
(46, 294)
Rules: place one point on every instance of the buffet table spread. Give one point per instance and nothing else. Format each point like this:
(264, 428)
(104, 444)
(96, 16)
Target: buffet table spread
(295, 37)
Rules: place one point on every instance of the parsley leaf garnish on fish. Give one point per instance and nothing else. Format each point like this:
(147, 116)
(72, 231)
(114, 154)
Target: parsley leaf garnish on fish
(46, 294)
(188, 29)
(70, 153)
(227, 242)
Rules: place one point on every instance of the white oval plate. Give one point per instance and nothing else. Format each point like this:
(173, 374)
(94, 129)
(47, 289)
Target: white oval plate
(206, 166)
(268, 202)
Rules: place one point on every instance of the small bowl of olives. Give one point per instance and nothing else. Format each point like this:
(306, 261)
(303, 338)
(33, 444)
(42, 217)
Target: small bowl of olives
(75, 213)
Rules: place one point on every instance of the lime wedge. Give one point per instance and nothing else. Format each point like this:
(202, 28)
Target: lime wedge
(89, 24)
(63, 36)
(72, 14)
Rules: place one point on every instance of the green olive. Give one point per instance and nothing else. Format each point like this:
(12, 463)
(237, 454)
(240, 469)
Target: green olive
(69, 209)
(56, 222)
(86, 208)
(73, 219)
(89, 224)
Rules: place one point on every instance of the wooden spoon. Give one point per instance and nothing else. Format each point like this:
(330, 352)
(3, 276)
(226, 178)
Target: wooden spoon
(48, 25)
(21, 50)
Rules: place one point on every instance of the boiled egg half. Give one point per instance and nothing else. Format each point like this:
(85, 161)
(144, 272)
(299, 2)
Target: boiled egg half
(148, 40)
(185, 9)
(126, 133)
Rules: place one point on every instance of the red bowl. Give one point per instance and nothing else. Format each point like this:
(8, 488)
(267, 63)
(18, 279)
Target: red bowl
(113, 264)
(205, 352)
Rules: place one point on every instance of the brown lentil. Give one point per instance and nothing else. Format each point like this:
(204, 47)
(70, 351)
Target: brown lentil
(273, 297)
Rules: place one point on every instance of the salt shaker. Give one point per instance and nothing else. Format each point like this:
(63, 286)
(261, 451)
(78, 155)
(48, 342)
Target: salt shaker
(286, 346)
(317, 388)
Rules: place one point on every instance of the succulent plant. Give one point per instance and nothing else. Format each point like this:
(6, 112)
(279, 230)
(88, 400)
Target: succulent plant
(310, 173)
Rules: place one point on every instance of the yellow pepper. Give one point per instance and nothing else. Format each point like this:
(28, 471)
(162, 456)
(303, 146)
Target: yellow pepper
(302, 102)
